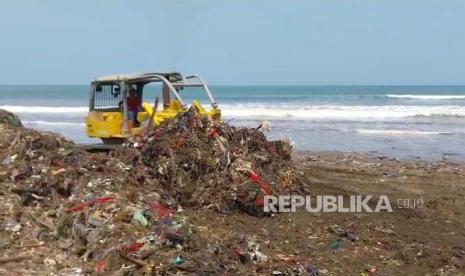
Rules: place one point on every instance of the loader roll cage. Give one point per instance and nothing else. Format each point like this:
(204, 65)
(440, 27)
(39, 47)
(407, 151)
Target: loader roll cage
(110, 92)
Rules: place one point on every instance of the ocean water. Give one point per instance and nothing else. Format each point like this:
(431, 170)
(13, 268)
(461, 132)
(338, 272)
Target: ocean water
(405, 122)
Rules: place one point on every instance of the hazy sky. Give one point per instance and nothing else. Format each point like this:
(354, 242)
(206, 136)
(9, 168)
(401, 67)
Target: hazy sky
(235, 42)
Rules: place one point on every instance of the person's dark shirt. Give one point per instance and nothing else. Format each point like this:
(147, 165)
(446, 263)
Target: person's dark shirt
(134, 103)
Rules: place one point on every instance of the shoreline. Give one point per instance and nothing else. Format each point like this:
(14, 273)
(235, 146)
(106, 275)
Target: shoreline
(372, 156)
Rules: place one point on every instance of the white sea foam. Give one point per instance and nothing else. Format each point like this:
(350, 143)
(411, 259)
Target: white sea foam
(48, 123)
(396, 132)
(44, 109)
(428, 97)
(289, 111)
(339, 111)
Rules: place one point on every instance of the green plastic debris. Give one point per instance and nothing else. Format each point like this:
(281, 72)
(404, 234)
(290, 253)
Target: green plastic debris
(140, 218)
(178, 260)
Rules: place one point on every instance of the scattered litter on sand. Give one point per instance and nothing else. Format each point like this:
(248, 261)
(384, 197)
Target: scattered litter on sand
(122, 211)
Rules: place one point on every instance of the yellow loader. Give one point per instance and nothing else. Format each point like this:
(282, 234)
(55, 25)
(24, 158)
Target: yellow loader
(112, 97)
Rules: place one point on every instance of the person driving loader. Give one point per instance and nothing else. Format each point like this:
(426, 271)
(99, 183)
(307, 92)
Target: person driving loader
(134, 106)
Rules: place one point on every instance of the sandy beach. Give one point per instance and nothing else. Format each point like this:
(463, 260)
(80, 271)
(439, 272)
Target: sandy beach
(42, 232)
(426, 240)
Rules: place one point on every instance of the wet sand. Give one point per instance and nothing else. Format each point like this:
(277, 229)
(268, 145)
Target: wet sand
(425, 240)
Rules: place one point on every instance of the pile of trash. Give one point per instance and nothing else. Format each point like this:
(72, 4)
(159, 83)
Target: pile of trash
(10, 119)
(123, 211)
(202, 162)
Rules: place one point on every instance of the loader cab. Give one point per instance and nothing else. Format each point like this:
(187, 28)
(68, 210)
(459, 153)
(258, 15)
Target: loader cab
(109, 117)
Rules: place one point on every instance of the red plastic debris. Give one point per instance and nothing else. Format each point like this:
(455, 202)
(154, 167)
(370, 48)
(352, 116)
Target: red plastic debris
(160, 210)
(213, 133)
(100, 266)
(260, 201)
(90, 203)
(134, 247)
(263, 184)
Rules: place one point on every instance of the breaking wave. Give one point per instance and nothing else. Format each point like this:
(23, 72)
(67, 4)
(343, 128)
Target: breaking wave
(44, 109)
(47, 123)
(395, 132)
(340, 111)
(428, 97)
(288, 111)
